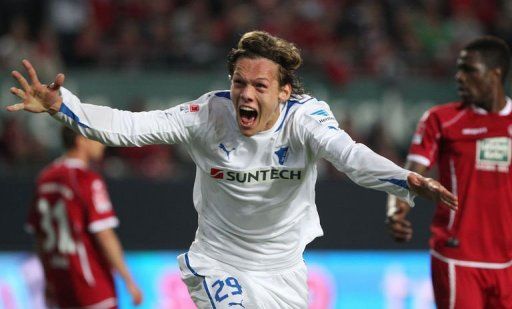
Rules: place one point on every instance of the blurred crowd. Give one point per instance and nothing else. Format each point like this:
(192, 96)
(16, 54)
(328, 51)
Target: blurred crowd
(340, 39)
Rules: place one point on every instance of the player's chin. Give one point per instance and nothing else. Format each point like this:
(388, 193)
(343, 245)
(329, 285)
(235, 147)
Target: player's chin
(247, 131)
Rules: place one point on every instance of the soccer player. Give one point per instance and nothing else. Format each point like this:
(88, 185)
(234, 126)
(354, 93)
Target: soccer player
(73, 220)
(470, 140)
(255, 147)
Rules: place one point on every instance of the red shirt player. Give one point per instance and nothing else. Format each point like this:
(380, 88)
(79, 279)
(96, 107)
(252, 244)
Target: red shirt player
(470, 140)
(73, 222)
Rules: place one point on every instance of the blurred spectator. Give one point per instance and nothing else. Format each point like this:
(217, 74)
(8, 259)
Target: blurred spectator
(17, 146)
(16, 44)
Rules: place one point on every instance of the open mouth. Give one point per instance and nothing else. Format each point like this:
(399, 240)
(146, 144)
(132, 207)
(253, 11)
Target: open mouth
(248, 116)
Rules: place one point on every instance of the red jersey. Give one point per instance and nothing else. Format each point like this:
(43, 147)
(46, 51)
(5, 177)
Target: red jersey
(473, 151)
(71, 204)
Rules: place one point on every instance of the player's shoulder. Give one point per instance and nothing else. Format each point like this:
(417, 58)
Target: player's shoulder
(304, 103)
(444, 112)
(447, 109)
(66, 169)
(206, 103)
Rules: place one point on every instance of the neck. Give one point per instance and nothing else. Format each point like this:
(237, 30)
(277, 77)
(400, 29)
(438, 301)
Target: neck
(496, 102)
(78, 155)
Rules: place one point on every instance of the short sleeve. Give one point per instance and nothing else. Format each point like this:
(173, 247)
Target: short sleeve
(100, 213)
(425, 142)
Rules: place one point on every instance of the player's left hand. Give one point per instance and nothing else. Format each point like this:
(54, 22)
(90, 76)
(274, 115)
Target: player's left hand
(431, 189)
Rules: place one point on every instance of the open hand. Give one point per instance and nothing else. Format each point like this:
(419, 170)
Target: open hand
(432, 189)
(36, 97)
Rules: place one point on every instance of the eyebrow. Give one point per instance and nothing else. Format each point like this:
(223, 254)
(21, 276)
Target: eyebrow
(238, 75)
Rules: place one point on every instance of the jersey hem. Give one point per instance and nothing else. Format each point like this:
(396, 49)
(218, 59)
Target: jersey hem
(471, 264)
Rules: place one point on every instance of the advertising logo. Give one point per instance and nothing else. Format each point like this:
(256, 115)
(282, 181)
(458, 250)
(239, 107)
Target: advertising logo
(256, 176)
(217, 173)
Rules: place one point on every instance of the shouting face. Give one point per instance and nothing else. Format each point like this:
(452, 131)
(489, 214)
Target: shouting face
(257, 94)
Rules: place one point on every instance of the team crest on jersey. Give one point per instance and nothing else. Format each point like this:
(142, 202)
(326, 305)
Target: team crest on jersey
(189, 108)
(493, 154)
(282, 154)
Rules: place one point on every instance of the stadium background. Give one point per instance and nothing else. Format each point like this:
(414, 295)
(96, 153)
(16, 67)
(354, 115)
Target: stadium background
(379, 64)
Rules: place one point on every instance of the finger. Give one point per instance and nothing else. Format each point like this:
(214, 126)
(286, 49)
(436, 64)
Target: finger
(399, 220)
(31, 72)
(449, 199)
(433, 185)
(59, 81)
(18, 92)
(21, 80)
(401, 237)
(15, 107)
(401, 229)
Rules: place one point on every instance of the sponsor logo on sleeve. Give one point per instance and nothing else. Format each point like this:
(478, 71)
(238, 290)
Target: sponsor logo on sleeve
(100, 197)
(493, 154)
(189, 108)
(324, 117)
(320, 112)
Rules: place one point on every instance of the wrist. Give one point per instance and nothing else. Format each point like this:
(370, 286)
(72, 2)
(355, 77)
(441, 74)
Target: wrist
(55, 107)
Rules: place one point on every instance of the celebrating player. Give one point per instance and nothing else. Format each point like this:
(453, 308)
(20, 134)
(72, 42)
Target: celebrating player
(255, 148)
(73, 222)
(470, 140)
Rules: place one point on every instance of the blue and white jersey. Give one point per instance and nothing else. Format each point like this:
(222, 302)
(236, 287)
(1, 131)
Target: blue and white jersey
(255, 196)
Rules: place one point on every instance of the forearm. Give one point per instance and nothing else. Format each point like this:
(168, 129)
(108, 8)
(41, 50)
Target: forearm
(368, 169)
(113, 251)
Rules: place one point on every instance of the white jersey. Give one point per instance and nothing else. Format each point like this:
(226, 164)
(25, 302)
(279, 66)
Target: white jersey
(255, 196)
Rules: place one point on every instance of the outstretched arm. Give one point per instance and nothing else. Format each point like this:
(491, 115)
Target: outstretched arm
(107, 125)
(36, 97)
(111, 247)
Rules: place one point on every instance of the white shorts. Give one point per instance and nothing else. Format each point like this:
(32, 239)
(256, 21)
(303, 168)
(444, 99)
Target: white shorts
(213, 284)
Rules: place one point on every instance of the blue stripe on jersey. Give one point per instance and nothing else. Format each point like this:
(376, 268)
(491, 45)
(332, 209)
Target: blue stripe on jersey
(289, 104)
(399, 182)
(223, 94)
(66, 111)
(190, 267)
(205, 285)
(208, 293)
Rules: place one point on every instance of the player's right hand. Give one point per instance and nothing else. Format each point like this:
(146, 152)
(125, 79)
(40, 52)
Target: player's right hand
(135, 293)
(399, 227)
(36, 97)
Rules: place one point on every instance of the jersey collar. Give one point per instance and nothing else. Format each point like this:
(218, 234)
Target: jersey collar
(72, 162)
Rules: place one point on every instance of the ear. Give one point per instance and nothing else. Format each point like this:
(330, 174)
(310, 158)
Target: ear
(285, 92)
(498, 72)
